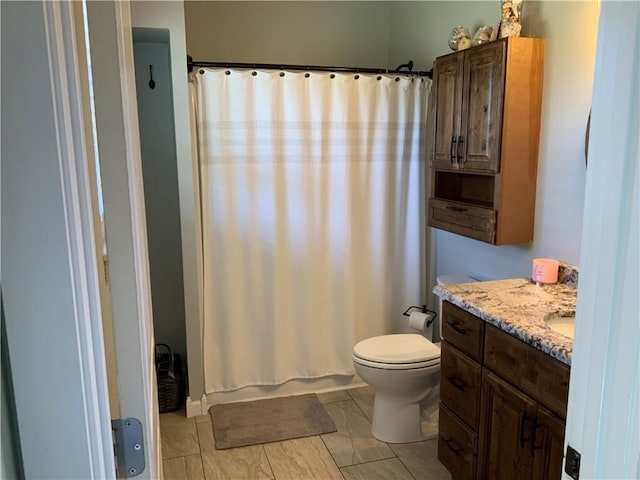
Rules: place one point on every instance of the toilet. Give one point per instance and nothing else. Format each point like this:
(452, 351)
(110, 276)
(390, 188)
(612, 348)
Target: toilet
(403, 369)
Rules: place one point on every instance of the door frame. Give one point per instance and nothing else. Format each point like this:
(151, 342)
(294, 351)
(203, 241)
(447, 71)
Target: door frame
(53, 301)
(79, 202)
(110, 36)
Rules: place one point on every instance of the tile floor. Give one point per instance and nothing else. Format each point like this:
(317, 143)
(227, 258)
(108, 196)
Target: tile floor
(351, 453)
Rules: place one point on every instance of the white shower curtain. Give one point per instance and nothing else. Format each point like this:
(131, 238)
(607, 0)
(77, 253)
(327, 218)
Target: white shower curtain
(312, 193)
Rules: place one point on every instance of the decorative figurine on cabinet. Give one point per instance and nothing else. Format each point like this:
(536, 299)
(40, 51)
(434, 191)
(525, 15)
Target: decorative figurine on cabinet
(510, 25)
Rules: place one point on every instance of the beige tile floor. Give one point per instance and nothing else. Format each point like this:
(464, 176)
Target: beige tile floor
(351, 453)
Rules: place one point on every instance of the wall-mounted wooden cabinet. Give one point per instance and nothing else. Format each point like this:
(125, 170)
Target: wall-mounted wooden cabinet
(486, 124)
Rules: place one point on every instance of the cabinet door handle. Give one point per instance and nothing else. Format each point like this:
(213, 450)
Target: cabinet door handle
(459, 148)
(457, 382)
(524, 418)
(534, 430)
(453, 446)
(455, 209)
(454, 149)
(456, 326)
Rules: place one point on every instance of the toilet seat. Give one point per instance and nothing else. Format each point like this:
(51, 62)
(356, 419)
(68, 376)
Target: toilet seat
(397, 352)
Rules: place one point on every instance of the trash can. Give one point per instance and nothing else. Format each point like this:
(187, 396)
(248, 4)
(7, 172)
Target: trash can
(169, 378)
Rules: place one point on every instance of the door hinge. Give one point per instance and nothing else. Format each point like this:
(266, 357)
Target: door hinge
(572, 463)
(128, 447)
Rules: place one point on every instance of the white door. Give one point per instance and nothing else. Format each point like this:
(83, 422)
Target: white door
(603, 419)
(50, 257)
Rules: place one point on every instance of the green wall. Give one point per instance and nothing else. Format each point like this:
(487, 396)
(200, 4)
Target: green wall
(386, 34)
(311, 33)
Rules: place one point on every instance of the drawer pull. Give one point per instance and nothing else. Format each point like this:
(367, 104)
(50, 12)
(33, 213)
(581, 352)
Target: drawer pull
(456, 326)
(458, 148)
(456, 382)
(455, 209)
(453, 446)
(524, 418)
(534, 431)
(453, 149)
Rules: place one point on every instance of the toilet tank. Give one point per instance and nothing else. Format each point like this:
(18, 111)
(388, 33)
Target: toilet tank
(449, 280)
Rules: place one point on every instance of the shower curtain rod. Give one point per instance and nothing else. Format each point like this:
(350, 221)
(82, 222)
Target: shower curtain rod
(191, 64)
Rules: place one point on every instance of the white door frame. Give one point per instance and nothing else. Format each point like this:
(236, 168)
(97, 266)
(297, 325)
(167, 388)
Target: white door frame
(51, 284)
(116, 112)
(603, 418)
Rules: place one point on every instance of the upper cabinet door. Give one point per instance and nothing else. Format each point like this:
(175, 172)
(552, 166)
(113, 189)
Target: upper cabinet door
(447, 104)
(482, 107)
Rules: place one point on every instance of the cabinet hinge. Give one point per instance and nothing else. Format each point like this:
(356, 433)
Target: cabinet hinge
(128, 447)
(572, 463)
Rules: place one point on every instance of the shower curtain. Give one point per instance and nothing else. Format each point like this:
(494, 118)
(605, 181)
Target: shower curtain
(312, 199)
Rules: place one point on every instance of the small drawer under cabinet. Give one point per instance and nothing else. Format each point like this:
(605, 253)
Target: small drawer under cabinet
(463, 330)
(457, 445)
(460, 379)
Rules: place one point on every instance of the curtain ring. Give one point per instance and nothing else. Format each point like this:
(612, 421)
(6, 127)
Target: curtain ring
(282, 74)
(201, 72)
(227, 72)
(397, 79)
(333, 75)
(254, 73)
(379, 77)
(307, 75)
(356, 76)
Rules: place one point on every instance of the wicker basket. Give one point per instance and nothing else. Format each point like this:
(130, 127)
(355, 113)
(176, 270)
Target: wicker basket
(169, 378)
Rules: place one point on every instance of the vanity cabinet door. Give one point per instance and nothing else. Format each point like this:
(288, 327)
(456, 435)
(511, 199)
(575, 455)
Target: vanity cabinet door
(447, 104)
(548, 451)
(507, 419)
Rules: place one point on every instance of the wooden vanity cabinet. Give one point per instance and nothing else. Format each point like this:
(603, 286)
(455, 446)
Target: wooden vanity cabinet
(486, 123)
(502, 409)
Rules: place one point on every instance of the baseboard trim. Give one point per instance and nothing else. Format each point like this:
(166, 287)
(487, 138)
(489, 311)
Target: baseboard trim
(195, 408)
(293, 387)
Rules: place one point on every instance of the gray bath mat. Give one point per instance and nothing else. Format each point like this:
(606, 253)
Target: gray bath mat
(272, 420)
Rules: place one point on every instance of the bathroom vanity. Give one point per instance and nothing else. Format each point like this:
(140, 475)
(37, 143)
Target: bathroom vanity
(504, 379)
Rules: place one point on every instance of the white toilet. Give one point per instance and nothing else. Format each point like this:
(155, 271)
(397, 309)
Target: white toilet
(403, 369)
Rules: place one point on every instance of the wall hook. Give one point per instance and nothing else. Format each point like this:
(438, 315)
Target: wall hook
(152, 83)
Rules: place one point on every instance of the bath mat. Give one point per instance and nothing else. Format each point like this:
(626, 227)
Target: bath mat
(272, 420)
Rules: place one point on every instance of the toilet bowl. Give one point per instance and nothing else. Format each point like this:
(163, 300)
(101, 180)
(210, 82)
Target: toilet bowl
(403, 370)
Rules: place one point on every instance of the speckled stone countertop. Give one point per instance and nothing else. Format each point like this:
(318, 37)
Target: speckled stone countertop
(519, 307)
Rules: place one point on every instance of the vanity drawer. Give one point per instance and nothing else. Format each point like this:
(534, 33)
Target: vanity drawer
(542, 377)
(460, 379)
(463, 219)
(457, 445)
(463, 330)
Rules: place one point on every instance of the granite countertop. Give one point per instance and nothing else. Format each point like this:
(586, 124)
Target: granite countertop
(519, 307)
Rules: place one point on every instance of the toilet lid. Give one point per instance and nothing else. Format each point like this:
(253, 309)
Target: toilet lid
(403, 348)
